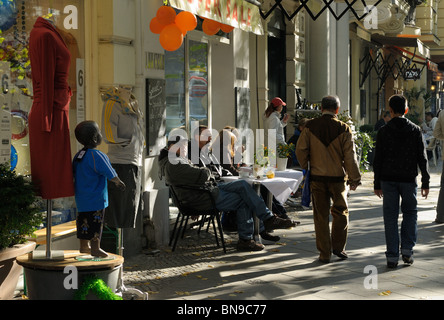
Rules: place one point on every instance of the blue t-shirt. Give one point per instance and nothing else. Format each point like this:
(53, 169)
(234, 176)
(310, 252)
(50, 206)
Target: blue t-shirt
(90, 180)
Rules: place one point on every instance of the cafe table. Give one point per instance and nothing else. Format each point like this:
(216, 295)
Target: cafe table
(281, 187)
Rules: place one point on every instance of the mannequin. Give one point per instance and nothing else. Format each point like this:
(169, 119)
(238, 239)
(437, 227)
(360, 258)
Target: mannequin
(122, 130)
(50, 147)
(92, 169)
(49, 139)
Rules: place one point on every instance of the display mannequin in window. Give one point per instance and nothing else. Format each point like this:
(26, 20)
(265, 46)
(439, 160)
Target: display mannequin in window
(49, 139)
(122, 130)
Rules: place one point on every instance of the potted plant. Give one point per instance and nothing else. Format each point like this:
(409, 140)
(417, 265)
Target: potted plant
(19, 218)
(284, 151)
(261, 161)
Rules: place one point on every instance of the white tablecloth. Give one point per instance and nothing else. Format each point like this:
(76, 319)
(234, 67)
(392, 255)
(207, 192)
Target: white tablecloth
(292, 174)
(281, 186)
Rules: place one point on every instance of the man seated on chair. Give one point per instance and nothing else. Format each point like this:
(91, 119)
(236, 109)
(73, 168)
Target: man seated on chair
(202, 139)
(237, 195)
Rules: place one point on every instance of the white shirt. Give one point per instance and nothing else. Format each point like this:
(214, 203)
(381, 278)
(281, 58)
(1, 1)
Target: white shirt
(274, 122)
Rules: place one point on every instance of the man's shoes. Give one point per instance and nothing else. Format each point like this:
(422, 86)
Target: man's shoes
(324, 260)
(277, 223)
(407, 259)
(282, 215)
(249, 245)
(341, 254)
(266, 236)
(392, 265)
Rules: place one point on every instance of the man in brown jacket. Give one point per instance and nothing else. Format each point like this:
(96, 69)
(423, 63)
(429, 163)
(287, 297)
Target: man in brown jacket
(326, 147)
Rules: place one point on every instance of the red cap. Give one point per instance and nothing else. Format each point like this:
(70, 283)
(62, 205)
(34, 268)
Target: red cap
(276, 102)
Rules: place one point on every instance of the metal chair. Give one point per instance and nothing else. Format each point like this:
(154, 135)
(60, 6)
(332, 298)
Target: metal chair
(186, 211)
(433, 146)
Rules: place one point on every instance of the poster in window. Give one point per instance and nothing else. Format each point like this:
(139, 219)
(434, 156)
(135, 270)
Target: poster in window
(156, 115)
(242, 108)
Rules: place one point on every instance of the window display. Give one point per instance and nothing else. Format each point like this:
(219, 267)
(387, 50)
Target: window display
(17, 18)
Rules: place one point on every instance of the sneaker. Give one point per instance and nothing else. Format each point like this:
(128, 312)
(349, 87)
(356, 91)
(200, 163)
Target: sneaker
(249, 245)
(266, 236)
(407, 259)
(277, 223)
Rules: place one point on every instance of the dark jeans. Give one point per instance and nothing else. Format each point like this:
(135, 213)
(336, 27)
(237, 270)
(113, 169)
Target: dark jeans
(392, 192)
(239, 196)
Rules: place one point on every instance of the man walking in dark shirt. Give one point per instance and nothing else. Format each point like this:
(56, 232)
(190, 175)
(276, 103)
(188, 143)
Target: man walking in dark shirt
(399, 152)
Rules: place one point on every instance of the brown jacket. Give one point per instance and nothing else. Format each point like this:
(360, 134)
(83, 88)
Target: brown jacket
(327, 144)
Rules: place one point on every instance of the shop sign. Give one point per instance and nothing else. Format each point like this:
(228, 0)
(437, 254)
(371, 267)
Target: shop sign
(5, 113)
(236, 13)
(80, 98)
(432, 66)
(412, 74)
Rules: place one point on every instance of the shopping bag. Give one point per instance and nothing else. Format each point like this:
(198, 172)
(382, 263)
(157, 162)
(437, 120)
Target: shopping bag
(306, 194)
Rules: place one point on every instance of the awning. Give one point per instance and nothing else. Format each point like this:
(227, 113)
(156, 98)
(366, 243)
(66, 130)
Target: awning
(403, 42)
(394, 63)
(236, 13)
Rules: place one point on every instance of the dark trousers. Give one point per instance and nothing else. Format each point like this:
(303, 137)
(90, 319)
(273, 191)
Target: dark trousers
(322, 194)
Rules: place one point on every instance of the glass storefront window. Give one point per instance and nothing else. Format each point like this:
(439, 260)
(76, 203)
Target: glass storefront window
(175, 88)
(198, 81)
(17, 18)
(178, 112)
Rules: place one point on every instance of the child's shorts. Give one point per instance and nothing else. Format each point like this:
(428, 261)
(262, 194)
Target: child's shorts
(90, 224)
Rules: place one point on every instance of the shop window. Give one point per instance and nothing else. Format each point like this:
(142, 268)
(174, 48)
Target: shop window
(187, 100)
(17, 18)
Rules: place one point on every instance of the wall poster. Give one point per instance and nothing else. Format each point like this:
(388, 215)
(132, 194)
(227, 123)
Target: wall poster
(156, 115)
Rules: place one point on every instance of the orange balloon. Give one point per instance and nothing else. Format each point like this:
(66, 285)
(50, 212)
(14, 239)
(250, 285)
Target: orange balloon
(166, 15)
(155, 26)
(171, 37)
(226, 28)
(184, 32)
(186, 21)
(210, 27)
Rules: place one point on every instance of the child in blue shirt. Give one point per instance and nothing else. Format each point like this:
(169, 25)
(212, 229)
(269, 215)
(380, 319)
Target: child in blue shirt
(92, 169)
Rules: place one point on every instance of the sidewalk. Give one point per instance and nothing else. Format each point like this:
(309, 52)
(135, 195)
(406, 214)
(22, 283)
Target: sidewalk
(289, 269)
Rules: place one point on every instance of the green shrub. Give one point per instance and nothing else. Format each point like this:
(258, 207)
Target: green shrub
(19, 215)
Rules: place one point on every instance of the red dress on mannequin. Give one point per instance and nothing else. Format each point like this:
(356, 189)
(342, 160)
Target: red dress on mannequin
(49, 140)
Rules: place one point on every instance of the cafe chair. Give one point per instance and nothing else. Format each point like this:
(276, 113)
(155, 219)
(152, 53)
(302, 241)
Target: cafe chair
(187, 210)
(433, 146)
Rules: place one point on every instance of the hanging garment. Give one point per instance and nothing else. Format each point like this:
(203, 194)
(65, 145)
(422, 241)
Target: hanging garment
(49, 139)
(122, 127)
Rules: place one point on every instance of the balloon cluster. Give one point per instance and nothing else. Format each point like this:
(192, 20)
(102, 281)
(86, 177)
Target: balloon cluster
(173, 27)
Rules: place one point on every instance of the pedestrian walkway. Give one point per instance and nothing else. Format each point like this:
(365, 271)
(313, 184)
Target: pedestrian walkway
(289, 269)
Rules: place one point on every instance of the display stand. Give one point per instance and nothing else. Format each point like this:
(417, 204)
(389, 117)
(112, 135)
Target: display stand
(121, 288)
(49, 254)
(47, 279)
